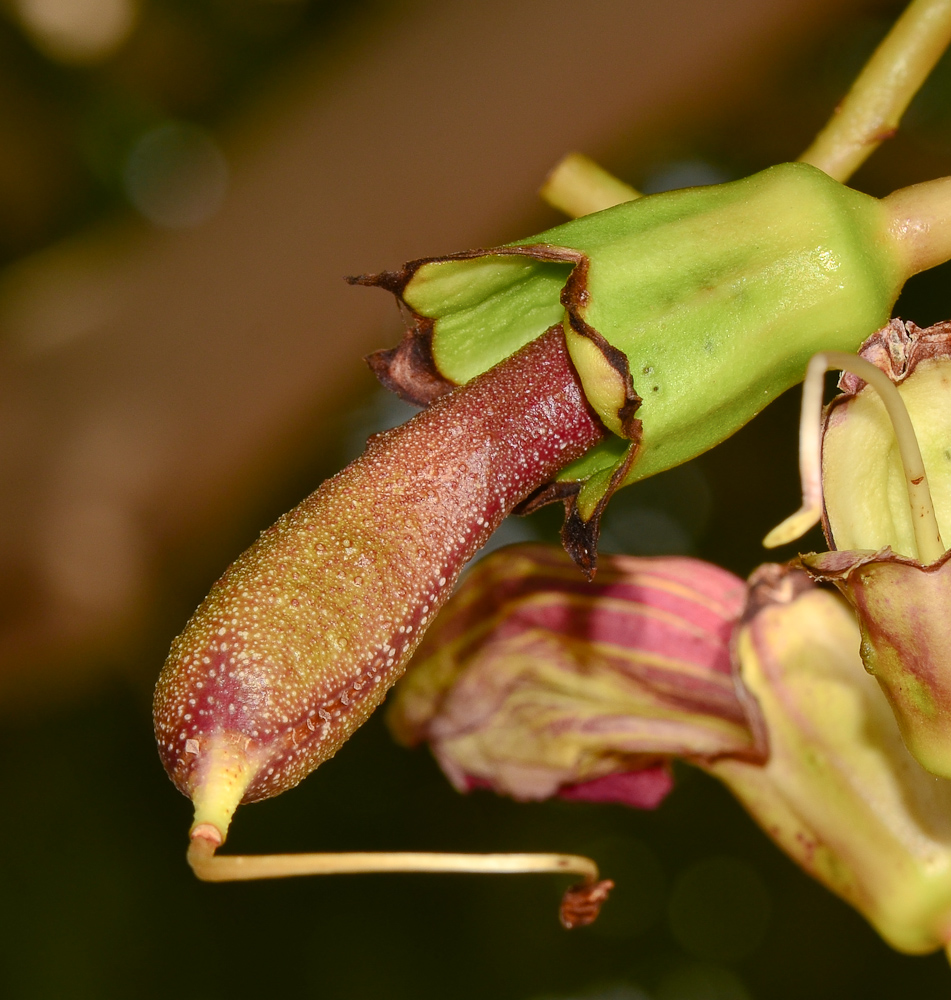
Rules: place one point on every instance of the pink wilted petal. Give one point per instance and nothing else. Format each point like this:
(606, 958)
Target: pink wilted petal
(644, 789)
(533, 681)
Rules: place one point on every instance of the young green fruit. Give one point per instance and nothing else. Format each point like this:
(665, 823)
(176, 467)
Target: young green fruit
(300, 638)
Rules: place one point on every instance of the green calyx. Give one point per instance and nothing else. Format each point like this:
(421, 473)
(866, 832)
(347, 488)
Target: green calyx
(685, 313)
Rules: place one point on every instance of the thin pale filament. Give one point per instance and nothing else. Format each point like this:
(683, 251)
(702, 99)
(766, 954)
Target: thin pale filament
(873, 108)
(927, 535)
(578, 186)
(234, 868)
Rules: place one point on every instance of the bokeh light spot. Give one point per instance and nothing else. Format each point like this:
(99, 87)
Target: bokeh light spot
(77, 31)
(701, 982)
(176, 175)
(719, 910)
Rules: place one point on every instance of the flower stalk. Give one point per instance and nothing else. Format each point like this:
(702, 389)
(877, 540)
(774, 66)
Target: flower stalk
(873, 108)
(578, 186)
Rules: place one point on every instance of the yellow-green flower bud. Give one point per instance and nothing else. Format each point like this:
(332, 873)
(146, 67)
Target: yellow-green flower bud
(863, 482)
(903, 603)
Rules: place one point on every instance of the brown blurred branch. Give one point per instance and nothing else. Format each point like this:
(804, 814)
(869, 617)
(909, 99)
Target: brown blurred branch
(146, 376)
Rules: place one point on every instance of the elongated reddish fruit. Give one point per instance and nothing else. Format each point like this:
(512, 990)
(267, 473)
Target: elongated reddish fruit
(300, 638)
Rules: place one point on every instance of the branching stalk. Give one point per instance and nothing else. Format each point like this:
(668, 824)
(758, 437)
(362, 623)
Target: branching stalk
(920, 223)
(927, 536)
(578, 186)
(872, 110)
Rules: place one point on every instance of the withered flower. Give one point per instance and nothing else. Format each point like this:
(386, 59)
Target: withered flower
(535, 683)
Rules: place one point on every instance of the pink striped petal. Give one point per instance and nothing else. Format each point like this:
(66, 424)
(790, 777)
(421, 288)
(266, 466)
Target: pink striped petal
(533, 681)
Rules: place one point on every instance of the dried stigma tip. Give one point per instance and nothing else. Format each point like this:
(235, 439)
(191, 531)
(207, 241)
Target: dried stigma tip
(580, 904)
(927, 535)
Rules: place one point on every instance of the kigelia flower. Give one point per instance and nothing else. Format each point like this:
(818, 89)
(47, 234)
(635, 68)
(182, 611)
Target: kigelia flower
(536, 685)
(558, 367)
(886, 504)
(571, 363)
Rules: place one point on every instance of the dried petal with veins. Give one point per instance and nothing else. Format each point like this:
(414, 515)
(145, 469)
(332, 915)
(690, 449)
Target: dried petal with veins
(534, 683)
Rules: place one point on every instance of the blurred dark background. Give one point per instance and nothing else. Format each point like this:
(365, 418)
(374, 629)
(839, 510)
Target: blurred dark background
(183, 183)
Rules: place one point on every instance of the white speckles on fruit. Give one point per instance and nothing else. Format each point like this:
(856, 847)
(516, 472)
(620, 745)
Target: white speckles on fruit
(320, 615)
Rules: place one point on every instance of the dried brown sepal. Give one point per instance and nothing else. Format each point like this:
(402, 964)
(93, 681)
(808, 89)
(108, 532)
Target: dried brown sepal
(582, 903)
(410, 369)
(579, 535)
(774, 583)
(897, 349)
(574, 298)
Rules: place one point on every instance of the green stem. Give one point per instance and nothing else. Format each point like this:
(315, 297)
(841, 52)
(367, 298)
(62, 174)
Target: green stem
(578, 186)
(872, 110)
(927, 536)
(920, 223)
